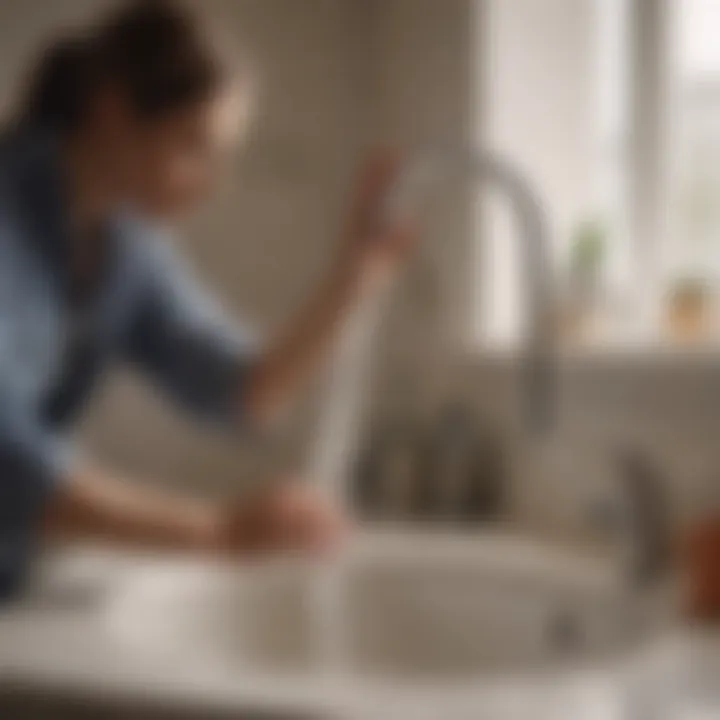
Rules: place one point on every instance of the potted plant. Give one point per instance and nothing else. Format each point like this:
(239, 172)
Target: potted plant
(586, 260)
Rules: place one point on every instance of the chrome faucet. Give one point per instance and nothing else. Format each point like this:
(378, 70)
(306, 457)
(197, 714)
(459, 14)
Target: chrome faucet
(338, 432)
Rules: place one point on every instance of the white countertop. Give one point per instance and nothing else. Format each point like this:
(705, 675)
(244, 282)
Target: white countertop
(58, 638)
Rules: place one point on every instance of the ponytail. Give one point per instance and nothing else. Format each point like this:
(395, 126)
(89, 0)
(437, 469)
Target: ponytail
(61, 87)
(153, 51)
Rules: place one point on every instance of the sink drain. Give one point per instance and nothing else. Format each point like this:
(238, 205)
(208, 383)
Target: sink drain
(563, 632)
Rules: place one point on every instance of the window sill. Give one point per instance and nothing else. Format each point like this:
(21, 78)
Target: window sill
(652, 353)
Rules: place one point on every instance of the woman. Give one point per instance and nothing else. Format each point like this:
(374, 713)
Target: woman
(118, 137)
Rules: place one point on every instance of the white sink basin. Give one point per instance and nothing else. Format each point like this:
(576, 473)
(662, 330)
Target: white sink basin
(419, 609)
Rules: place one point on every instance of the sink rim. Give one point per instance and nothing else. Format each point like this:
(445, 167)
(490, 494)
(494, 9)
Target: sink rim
(384, 548)
(122, 672)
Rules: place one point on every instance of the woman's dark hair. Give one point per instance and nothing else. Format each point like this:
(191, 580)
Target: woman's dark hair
(154, 51)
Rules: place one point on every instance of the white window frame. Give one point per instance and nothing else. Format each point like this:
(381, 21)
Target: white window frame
(649, 151)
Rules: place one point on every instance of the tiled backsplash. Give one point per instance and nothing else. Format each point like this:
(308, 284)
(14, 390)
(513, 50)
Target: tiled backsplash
(669, 408)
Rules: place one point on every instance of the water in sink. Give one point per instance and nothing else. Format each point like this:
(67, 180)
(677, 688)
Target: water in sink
(449, 612)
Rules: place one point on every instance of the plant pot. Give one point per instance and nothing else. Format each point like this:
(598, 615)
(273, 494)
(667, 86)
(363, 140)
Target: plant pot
(689, 314)
(701, 553)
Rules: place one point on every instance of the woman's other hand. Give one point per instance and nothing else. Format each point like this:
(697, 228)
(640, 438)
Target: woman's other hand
(292, 518)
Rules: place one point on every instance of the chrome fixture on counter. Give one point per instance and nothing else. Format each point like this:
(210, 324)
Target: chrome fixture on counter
(637, 519)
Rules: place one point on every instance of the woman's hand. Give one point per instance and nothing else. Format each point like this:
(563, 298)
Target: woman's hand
(288, 518)
(376, 242)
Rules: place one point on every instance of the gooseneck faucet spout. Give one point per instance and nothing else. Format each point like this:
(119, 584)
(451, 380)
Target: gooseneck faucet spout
(337, 434)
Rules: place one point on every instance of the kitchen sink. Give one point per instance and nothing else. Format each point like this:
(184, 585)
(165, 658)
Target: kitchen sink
(425, 609)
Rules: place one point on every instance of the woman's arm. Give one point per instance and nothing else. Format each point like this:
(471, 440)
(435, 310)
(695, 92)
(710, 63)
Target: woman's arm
(370, 250)
(284, 366)
(92, 505)
(213, 367)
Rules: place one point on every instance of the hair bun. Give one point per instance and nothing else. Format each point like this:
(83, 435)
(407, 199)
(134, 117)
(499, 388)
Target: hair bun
(61, 83)
(154, 52)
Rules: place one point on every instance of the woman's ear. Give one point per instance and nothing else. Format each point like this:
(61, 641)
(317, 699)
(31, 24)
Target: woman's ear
(233, 114)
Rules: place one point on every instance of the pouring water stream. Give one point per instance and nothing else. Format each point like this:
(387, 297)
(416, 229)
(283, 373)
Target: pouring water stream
(351, 368)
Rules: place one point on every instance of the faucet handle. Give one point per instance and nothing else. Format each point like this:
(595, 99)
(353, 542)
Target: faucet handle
(648, 516)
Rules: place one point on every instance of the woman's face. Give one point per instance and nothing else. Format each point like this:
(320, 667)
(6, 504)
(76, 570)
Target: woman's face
(167, 165)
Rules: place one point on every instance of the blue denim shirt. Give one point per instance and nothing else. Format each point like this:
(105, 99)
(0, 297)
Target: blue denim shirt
(148, 311)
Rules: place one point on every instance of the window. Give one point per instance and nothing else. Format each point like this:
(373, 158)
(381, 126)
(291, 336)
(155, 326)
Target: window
(612, 108)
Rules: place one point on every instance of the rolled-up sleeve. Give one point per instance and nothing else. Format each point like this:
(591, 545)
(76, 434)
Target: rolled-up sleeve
(181, 337)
